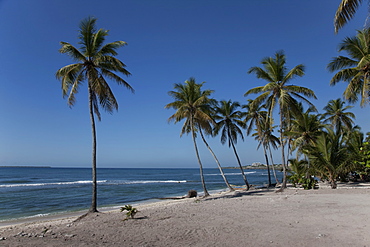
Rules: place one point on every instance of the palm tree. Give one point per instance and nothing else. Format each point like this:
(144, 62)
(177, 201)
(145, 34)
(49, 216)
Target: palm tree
(256, 117)
(265, 137)
(305, 129)
(330, 157)
(191, 104)
(354, 69)
(272, 143)
(335, 113)
(95, 62)
(277, 91)
(345, 12)
(230, 124)
(215, 157)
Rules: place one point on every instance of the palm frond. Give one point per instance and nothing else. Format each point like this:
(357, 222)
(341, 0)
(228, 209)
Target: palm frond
(341, 62)
(72, 51)
(345, 12)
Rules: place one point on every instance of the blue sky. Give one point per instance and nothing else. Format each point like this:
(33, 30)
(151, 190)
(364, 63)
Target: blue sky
(168, 41)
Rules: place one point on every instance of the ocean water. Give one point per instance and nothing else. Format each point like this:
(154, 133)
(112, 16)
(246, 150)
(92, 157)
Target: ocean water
(28, 192)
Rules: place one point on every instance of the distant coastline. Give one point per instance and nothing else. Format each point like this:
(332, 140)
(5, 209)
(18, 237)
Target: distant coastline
(254, 167)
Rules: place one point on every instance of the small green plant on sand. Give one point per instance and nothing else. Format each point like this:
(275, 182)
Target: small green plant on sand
(131, 211)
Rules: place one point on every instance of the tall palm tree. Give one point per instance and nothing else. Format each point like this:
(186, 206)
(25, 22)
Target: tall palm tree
(336, 114)
(230, 125)
(277, 91)
(95, 62)
(354, 69)
(265, 137)
(345, 12)
(192, 105)
(257, 118)
(215, 157)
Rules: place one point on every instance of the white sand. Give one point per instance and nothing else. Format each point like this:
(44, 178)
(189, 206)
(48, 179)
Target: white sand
(295, 217)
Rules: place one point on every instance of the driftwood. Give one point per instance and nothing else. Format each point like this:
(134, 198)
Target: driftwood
(191, 194)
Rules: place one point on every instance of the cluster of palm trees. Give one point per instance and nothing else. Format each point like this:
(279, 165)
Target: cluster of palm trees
(327, 144)
(96, 61)
(200, 113)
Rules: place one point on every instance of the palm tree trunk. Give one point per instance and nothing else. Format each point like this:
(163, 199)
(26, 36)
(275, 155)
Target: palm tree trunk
(273, 167)
(283, 186)
(333, 182)
(93, 207)
(218, 163)
(268, 167)
(199, 161)
(240, 165)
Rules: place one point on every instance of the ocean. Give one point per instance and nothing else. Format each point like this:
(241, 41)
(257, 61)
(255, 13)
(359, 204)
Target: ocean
(31, 192)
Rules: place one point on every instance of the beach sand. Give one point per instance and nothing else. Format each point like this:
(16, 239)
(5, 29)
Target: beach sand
(260, 217)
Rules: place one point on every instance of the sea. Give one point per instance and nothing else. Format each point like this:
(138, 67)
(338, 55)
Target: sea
(33, 192)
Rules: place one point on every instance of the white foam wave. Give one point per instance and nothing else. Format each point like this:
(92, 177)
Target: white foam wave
(152, 182)
(48, 184)
(230, 174)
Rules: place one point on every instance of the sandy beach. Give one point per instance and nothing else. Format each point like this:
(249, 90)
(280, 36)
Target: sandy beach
(260, 217)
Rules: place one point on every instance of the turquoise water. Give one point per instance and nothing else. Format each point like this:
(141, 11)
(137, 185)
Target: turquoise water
(31, 192)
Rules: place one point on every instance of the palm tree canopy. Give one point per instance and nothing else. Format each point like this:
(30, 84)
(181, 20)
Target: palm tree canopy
(255, 116)
(336, 114)
(330, 155)
(345, 12)
(354, 69)
(277, 90)
(192, 104)
(305, 130)
(95, 62)
(265, 135)
(229, 121)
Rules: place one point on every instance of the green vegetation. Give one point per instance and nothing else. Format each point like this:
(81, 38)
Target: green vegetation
(355, 68)
(131, 211)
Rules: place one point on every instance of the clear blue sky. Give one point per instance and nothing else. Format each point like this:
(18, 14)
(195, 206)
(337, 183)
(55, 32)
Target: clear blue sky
(168, 41)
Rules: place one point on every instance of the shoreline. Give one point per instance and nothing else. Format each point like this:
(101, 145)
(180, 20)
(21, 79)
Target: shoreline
(156, 201)
(75, 214)
(295, 217)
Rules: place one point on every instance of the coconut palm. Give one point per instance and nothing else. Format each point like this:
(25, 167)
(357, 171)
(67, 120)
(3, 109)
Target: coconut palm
(306, 127)
(337, 115)
(192, 105)
(95, 62)
(330, 156)
(215, 157)
(265, 137)
(257, 118)
(230, 125)
(345, 12)
(278, 92)
(354, 69)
